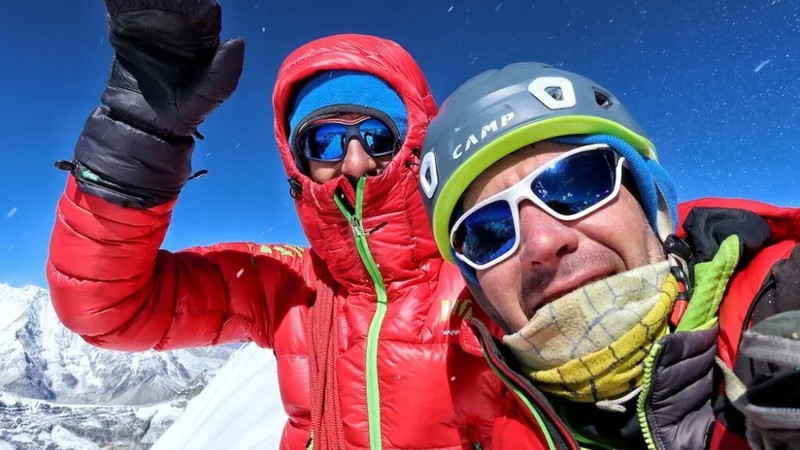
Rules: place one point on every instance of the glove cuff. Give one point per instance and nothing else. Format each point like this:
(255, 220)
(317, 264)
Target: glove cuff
(128, 166)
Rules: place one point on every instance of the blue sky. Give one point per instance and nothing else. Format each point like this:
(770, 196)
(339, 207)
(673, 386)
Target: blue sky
(714, 83)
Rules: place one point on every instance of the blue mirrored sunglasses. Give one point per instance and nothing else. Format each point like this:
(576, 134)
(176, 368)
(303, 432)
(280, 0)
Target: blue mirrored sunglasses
(326, 140)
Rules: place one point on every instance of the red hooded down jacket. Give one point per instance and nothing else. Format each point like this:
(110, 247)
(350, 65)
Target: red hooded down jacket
(404, 382)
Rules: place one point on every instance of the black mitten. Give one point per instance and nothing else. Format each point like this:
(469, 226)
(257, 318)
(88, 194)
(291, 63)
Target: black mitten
(168, 73)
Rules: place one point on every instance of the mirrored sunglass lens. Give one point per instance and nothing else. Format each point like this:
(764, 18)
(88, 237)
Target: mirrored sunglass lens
(324, 142)
(487, 233)
(578, 182)
(378, 137)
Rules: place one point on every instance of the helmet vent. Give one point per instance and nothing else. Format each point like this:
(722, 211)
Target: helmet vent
(428, 175)
(602, 100)
(555, 92)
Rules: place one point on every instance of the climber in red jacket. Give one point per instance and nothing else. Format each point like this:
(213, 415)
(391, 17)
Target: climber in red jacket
(628, 321)
(364, 323)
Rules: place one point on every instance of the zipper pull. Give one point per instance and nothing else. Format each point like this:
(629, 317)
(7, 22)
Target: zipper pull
(354, 222)
(383, 224)
(352, 219)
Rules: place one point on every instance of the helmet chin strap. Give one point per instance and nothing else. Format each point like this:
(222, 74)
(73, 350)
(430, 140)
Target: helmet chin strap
(488, 308)
(475, 288)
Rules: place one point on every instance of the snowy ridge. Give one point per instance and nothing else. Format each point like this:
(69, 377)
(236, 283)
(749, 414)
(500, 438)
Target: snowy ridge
(58, 392)
(241, 408)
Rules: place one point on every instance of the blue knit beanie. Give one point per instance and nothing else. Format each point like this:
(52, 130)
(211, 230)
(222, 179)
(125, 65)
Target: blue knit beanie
(345, 87)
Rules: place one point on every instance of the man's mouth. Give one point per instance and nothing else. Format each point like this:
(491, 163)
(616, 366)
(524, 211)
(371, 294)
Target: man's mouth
(559, 289)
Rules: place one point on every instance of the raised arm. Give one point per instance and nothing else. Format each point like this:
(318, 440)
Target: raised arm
(111, 284)
(109, 281)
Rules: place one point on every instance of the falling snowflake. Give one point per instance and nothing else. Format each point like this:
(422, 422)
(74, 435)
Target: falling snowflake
(11, 213)
(761, 65)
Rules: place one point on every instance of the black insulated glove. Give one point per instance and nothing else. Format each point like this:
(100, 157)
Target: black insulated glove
(168, 73)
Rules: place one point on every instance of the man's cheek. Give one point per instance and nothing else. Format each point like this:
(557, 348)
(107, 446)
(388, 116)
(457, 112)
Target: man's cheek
(504, 289)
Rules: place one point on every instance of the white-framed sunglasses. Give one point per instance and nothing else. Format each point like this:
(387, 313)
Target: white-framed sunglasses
(569, 187)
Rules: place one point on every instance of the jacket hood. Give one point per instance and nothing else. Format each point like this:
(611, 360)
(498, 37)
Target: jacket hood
(393, 215)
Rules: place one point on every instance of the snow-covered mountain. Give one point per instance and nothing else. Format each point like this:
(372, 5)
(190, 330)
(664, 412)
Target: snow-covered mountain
(28, 424)
(56, 391)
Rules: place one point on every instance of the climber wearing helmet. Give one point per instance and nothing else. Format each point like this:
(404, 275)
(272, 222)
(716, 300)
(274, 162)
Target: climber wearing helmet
(615, 326)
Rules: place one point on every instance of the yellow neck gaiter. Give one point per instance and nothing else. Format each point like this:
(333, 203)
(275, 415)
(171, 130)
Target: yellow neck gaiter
(590, 345)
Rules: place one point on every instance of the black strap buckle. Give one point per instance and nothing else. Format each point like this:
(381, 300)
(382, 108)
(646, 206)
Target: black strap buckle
(676, 246)
(295, 188)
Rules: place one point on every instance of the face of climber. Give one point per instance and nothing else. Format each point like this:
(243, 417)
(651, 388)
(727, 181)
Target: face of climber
(346, 123)
(525, 260)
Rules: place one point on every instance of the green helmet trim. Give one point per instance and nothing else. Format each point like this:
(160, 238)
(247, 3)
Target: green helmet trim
(510, 142)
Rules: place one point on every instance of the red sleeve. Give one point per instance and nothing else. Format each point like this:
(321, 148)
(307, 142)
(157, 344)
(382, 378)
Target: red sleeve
(110, 283)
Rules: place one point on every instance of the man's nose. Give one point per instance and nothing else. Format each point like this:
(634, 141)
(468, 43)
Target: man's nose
(543, 238)
(357, 162)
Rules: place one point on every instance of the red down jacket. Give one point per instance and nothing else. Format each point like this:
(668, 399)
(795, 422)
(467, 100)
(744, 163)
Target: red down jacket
(404, 382)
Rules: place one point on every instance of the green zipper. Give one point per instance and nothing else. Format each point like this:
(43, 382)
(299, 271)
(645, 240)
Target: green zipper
(641, 404)
(550, 444)
(373, 396)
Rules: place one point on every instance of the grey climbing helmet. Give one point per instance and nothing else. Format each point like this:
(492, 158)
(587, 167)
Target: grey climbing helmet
(500, 111)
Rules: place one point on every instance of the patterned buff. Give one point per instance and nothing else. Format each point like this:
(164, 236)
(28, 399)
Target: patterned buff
(591, 344)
